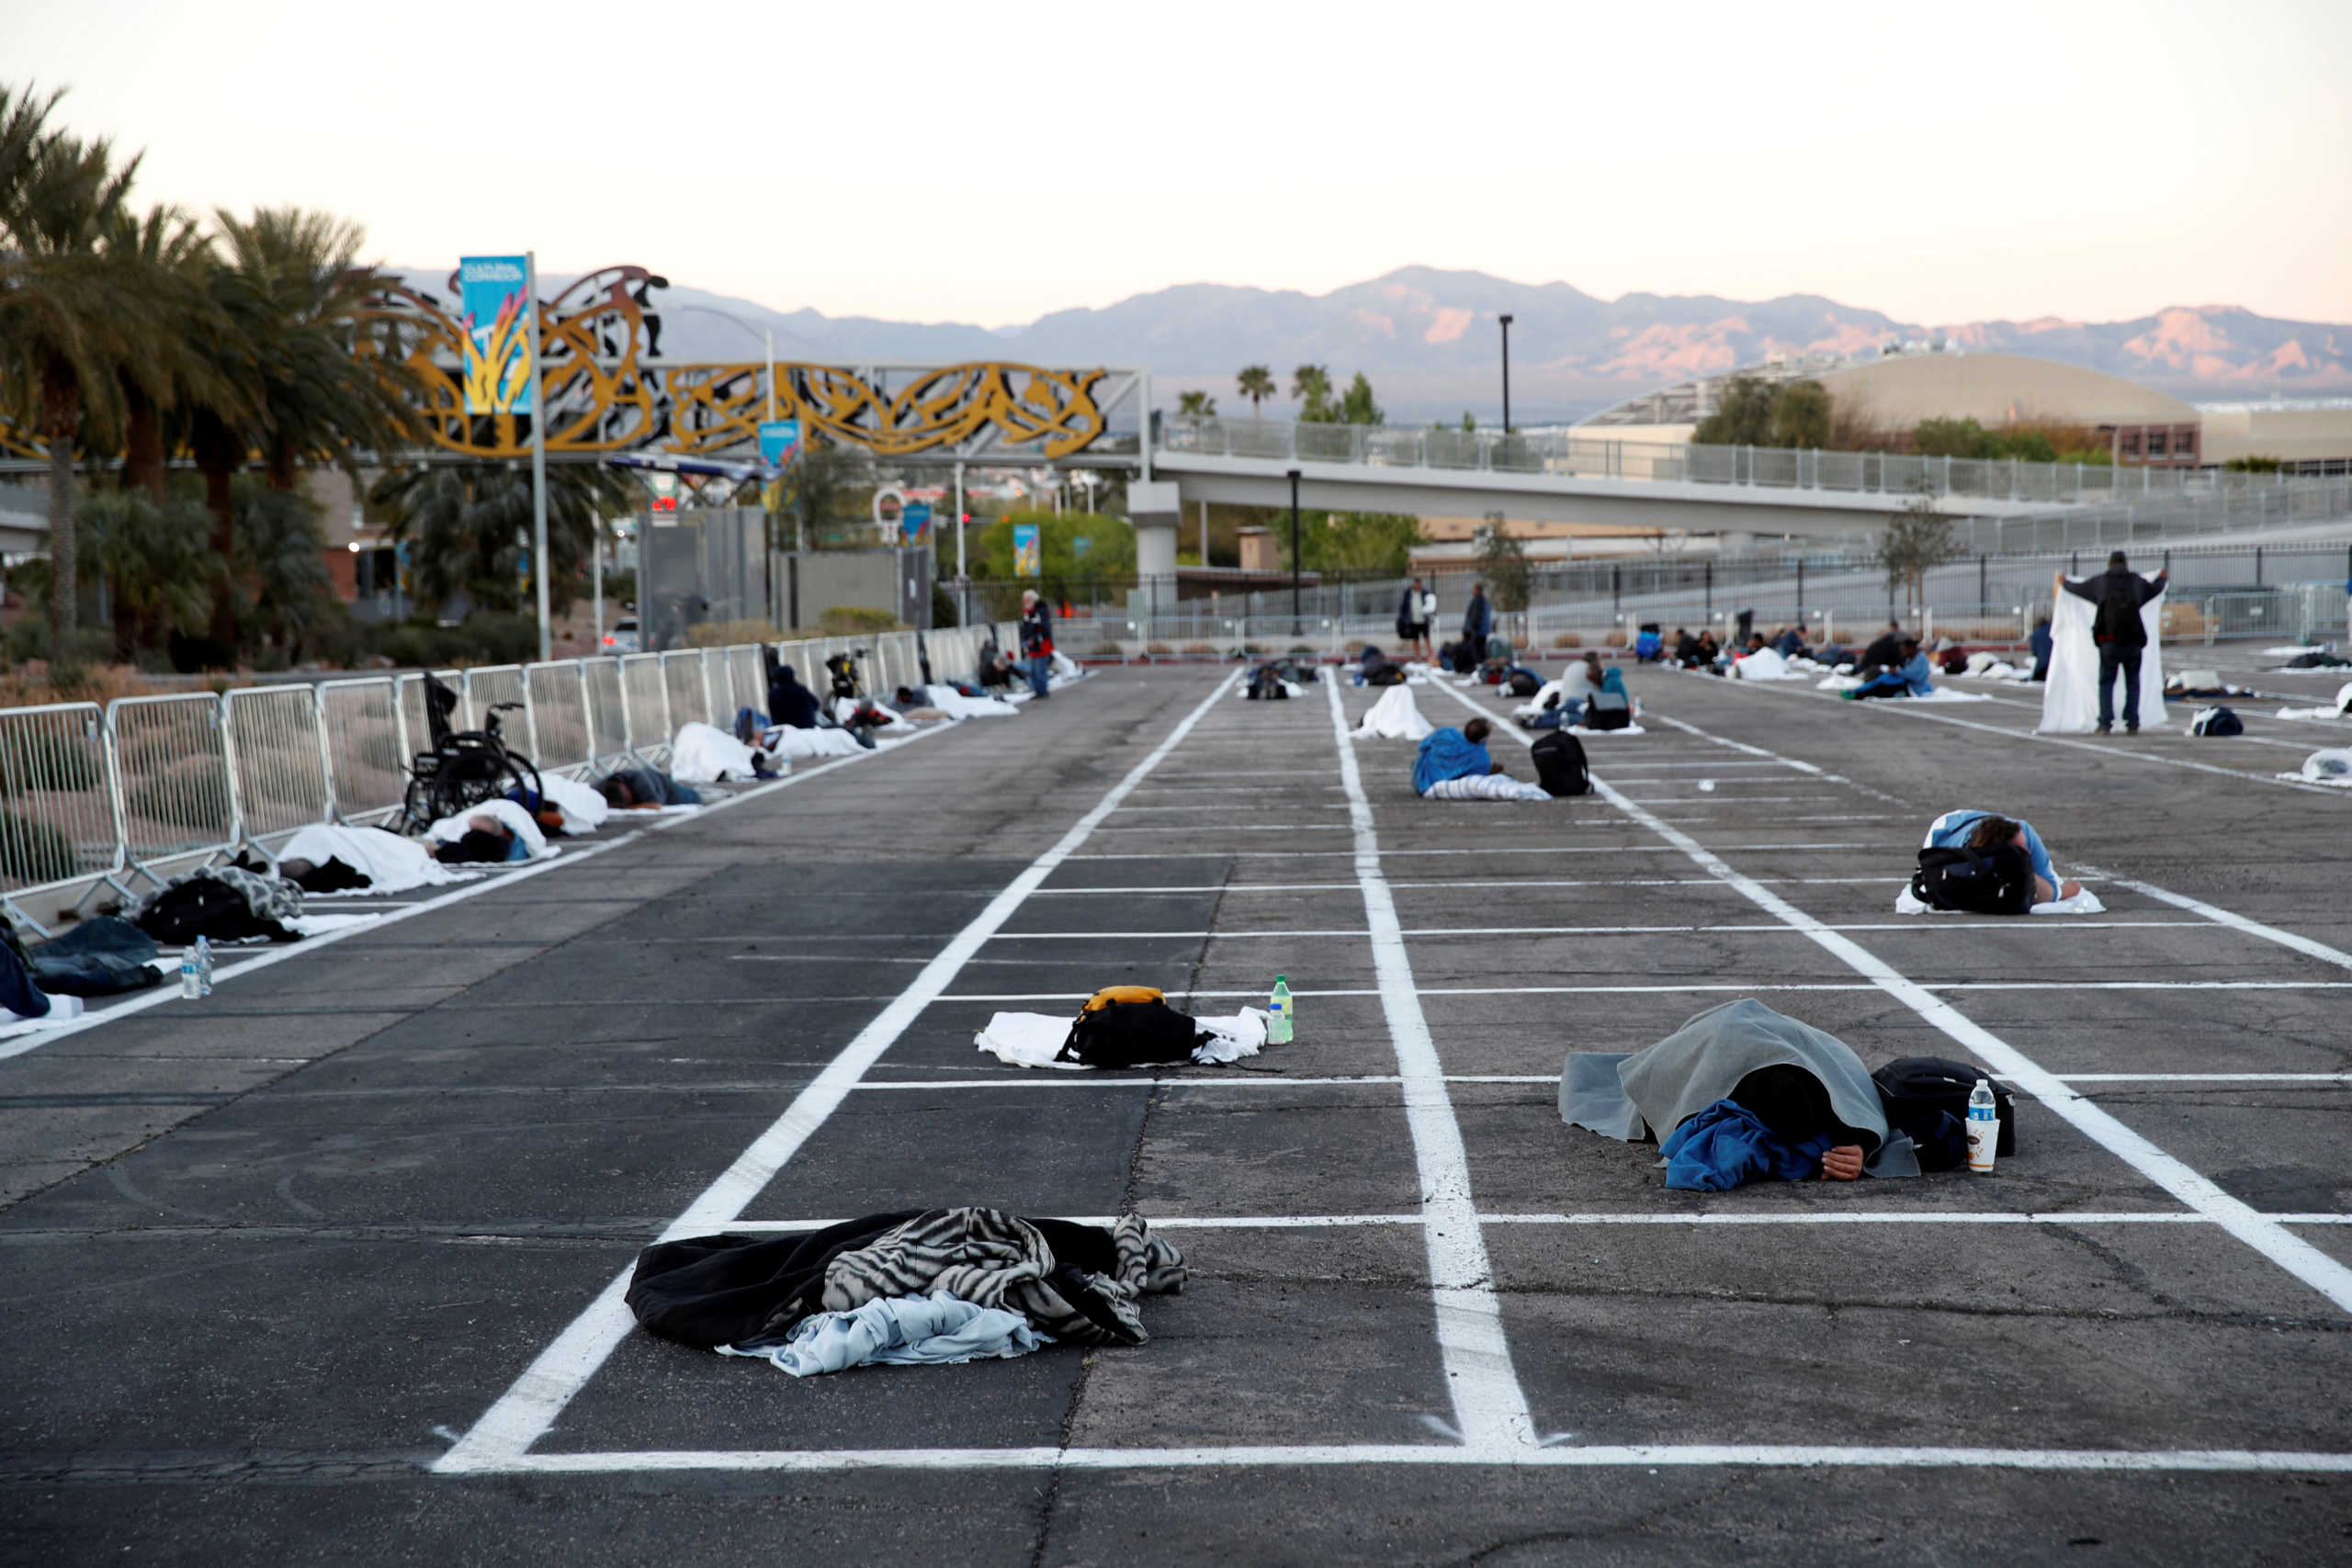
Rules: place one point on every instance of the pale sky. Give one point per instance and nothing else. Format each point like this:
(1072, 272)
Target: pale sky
(987, 163)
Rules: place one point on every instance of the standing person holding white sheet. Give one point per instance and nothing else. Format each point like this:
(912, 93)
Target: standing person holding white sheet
(2101, 626)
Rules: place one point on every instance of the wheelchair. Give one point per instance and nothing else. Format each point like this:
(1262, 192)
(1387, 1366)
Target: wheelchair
(465, 767)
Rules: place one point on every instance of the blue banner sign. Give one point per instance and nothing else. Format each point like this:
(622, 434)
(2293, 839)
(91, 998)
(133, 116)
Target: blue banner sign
(492, 297)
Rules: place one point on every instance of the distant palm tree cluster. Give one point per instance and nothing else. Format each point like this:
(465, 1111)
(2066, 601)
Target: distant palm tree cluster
(1310, 388)
(244, 348)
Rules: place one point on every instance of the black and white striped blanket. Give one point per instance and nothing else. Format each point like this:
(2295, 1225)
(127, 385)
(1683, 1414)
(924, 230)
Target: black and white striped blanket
(1001, 1261)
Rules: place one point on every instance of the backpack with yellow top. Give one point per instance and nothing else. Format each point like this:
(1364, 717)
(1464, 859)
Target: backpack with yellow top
(1128, 1026)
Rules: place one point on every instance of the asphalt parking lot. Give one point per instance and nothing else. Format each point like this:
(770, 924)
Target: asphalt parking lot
(328, 1266)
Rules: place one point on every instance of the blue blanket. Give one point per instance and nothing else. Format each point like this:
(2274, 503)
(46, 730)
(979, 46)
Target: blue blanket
(1725, 1146)
(1448, 754)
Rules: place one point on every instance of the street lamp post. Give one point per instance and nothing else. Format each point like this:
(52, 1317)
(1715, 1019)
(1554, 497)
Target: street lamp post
(1294, 613)
(1506, 375)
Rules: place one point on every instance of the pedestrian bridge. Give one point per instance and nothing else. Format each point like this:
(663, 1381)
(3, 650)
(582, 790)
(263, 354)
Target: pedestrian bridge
(1564, 476)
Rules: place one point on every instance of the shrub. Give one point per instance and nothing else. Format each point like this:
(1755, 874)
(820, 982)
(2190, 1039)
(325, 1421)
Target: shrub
(1157, 647)
(1614, 640)
(726, 634)
(1107, 648)
(856, 620)
(1198, 647)
(1355, 645)
(1250, 650)
(33, 852)
(1568, 640)
(1300, 647)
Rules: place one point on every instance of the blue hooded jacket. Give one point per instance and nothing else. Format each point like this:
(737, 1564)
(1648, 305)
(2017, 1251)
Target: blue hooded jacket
(1448, 754)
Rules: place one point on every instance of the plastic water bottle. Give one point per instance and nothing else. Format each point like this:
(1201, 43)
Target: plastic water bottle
(203, 966)
(1984, 1127)
(191, 981)
(1278, 1013)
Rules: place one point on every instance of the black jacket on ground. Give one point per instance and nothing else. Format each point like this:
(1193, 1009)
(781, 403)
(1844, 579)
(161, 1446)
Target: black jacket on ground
(749, 1290)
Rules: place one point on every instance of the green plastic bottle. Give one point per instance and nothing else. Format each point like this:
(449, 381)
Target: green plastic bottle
(1278, 1010)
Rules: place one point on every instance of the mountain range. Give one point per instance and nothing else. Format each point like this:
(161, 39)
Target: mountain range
(1427, 338)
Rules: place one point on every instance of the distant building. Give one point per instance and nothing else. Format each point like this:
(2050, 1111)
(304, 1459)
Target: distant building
(1896, 390)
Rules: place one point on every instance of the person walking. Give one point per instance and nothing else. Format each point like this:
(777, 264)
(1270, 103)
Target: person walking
(2120, 594)
(1037, 641)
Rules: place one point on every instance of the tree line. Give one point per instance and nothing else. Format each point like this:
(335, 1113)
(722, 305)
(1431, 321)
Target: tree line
(246, 348)
(1755, 413)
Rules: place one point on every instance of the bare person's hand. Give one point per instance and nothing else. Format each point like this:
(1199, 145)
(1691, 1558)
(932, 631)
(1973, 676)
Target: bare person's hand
(1843, 1163)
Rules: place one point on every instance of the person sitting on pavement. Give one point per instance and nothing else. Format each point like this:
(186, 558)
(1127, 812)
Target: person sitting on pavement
(1790, 644)
(1562, 701)
(2039, 642)
(995, 669)
(1885, 652)
(1453, 764)
(1910, 677)
(790, 703)
(1984, 829)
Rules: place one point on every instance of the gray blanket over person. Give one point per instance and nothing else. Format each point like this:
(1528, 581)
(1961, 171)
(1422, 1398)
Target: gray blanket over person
(1795, 1085)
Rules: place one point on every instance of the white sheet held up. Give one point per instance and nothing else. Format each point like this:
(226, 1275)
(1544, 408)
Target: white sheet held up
(2070, 698)
(1395, 718)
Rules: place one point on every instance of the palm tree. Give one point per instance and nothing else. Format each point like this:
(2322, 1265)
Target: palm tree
(1310, 386)
(1199, 405)
(287, 381)
(69, 317)
(167, 258)
(1257, 384)
(466, 522)
(152, 557)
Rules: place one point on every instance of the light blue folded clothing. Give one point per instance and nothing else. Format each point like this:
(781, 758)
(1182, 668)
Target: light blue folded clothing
(899, 1331)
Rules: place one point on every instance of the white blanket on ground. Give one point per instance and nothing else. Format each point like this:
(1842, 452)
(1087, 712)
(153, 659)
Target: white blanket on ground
(1486, 786)
(703, 754)
(1033, 1039)
(2070, 698)
(511, 816)
(1764, 664)
(845, 709)
(1395, 718)
(584, 809)
(785, 740)
(955, 705)
(2332, 766)
(1628, 730)
(2083, 903)
(389, 863)
(1992, 666)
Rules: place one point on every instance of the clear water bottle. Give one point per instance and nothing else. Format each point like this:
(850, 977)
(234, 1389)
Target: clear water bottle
(203, 966)
(1984, 1127)
(191, 979)
(1278, 1013)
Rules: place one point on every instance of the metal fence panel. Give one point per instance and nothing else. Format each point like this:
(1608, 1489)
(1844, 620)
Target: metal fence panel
(276, 760)
(750, 676)
(608, 717)
(486, 687)
(647, 701)
(416, 732)
(559, 713)
(171, 763)
(367, 758)
(57, 818)
(681, 680)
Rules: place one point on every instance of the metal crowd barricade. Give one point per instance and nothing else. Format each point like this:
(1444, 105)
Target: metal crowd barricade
(58, 817)
(171, 768)
(367, 759)
(608, 717)
(750, 676)
(486, 687)
(682, 680)
(416, 730)
(558, 698)
(277, 762)
(645, 703)
(719, 682)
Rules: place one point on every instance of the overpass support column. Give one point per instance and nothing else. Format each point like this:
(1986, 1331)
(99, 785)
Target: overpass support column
(1156, 511)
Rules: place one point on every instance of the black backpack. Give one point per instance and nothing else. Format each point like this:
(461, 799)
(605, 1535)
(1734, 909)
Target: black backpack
(1385, 675)
(1920, 1093)
(1122, 1033)
(1523, 683)
(1266, 684)
(2216, 721)
(1560, 766)
(1998, 881)
(1608, 710)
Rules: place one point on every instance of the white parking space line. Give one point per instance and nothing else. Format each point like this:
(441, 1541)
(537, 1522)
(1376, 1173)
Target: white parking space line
(1943, 926)
(522, 1414)
(1490, 1411)
(1702, 987)
(2261, 1232)
(1515, 850)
